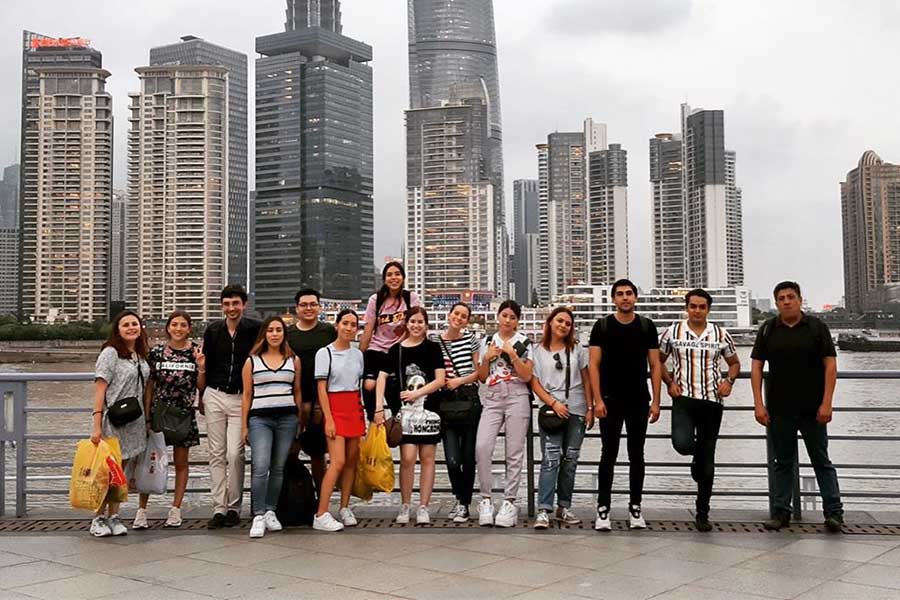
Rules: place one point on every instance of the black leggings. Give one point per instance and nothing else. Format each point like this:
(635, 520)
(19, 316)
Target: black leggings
(634, 416)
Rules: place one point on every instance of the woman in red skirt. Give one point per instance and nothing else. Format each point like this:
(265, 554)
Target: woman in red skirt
(339, 369)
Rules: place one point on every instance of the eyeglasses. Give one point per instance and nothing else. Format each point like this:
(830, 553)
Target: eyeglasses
(559, 365)
(308, 305)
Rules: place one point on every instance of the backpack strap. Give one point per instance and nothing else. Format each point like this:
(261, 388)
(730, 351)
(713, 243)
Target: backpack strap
(330, 361)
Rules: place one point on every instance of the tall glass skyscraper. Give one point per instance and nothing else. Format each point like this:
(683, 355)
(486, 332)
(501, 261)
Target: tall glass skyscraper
(452, 48)
(313, 210)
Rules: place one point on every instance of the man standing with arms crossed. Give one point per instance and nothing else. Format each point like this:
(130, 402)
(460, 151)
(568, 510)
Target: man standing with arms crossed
(698, 390)
(226, 345)
(621, 346)
(799, 392)
(305, 338)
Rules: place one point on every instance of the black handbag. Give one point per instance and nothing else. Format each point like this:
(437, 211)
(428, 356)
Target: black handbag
(548, 420)
(125, 410)
(457, 406)
(175, 422)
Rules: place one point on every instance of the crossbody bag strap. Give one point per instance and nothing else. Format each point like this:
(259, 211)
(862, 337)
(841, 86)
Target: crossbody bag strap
(330, 361)
(450, 356)
(568, 374)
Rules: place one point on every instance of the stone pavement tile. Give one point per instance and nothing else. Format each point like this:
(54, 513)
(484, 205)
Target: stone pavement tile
(34, 572)
(8, 559)
(835, 548)
(888, 558)
(839, 590)
(669, 569)
(50, 546)
(706, 553)
(318, 565)
(348, 543)
(640, 541)
(314, 590)
(798, 564)
(770, 585)
(158, 592)
(244, 555)
(446, 560)
(690, 592)
(585, 557)
(383, 578)
(233, 582)
(89, 585)
(753, 541)
(190, 543)
(504, 544)
(459, 587)
(605, 586)
(114, 557)
(519, 571)
(10, 595)
(168, 570)
(877, 575)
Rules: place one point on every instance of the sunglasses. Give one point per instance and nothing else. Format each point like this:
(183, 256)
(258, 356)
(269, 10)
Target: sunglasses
(559, 365)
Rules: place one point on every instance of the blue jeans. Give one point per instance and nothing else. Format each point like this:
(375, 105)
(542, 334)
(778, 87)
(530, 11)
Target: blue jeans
(784, 440)
(559, 459)
(270, 444)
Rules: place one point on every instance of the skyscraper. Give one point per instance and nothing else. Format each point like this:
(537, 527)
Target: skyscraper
(526, 235)
(313, 13)
(177, 194)
(543, 266)
(870, 212)
(66, 181)
(607, 215)
(314, 208)
(734, 221)
(118, 246)
(452, 46)
(9, 241)
(192, 50)
(667, 264)
(9, 198)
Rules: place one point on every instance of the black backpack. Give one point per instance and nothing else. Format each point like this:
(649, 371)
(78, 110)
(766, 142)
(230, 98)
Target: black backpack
(297, 504)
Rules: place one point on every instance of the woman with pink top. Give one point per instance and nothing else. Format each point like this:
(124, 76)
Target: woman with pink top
(385, 326)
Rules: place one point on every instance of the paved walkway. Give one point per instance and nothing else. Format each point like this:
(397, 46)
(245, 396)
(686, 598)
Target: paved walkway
(449, 564)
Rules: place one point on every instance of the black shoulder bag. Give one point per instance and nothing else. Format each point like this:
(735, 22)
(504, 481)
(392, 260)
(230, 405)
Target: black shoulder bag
(457, 406)
(548, 420)
(125, 410)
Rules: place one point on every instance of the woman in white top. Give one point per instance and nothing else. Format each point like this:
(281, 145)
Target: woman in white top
(271, 403)
(339, 369)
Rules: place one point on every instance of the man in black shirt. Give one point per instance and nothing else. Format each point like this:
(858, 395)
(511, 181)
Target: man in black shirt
(621, 346)
(226, 345)
(799, 390)
(307, 336)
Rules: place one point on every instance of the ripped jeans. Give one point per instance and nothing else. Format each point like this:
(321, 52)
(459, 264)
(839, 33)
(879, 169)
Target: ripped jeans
(559, 460)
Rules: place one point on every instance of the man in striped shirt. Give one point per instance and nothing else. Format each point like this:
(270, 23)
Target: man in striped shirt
(698, 390)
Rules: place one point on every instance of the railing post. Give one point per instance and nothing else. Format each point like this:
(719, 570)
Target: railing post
(529, 462)
(20, 401)
(796, 500)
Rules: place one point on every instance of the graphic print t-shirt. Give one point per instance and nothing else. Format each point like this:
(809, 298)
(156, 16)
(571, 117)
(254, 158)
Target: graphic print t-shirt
(416, 366)
(174, 374)
(501, 368)
(391, 318)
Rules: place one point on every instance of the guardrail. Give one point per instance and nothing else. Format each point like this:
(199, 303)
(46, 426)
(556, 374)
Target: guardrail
(15, 412)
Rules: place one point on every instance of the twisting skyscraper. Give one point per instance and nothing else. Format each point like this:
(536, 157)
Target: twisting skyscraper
(452, 51)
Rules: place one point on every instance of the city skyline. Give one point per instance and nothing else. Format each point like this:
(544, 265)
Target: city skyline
(765, 98)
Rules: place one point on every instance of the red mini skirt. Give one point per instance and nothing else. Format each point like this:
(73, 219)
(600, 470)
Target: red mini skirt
(347, 412)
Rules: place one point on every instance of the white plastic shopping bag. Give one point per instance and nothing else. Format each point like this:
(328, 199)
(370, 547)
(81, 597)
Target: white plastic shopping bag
(148, 472)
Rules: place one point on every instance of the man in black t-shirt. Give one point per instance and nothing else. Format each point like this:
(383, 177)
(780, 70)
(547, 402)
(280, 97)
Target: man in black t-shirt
(621, 347)
(799, 392)
(305, 338)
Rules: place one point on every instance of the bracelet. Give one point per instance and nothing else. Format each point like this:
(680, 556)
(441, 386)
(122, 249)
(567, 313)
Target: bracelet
(97, 412)
(201, 371)
(379, 411)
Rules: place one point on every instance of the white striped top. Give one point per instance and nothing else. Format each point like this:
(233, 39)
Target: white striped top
(273, 389)
(697, 358)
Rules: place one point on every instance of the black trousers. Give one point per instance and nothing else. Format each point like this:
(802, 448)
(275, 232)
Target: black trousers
(633, 415)
(459, 452)
(695, 431)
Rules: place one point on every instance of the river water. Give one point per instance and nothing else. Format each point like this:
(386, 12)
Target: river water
(858, 393)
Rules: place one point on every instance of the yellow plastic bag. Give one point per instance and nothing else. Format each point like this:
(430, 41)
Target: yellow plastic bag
(90, 475)
(376, 465)
(116, 493)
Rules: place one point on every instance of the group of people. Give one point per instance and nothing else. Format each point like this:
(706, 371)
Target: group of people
(271, 385)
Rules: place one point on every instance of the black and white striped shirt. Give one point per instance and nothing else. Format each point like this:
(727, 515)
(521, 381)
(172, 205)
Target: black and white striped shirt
(697, 358)
(273, 389)
(460, 354)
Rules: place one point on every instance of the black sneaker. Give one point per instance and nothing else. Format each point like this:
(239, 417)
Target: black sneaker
(217, 521)
(777, 522)
(232, 519)
(834, 523)
(703, 524)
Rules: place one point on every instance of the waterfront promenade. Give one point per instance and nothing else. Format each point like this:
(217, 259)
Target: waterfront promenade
(378, 560)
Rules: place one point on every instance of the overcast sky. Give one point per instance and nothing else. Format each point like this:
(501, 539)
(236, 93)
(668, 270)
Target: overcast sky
(807, 86)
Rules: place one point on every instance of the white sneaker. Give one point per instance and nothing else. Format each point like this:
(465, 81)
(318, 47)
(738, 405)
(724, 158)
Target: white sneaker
(140, 520)
(635, 520)
(403, 516)
(116, 526)
(462, 515)
(486, 513)
(603, 523)
(565, 515)
(347, 517)
(174, 518)
(100, 528)
(454, 511)
(543, 520)
(272, 522)
(326, 523)
(508, 515)
(422, 516)
(258, 528)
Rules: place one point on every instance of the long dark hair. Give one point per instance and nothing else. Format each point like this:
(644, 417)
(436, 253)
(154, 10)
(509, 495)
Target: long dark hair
(385, 292)
(141, 345)
(547, 337)
(262, 344)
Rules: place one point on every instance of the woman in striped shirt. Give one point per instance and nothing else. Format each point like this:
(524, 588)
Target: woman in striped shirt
(269, 410)
(460, 351)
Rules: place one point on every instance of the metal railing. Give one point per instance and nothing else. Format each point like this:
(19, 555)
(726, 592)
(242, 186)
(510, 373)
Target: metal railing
(15, 412)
